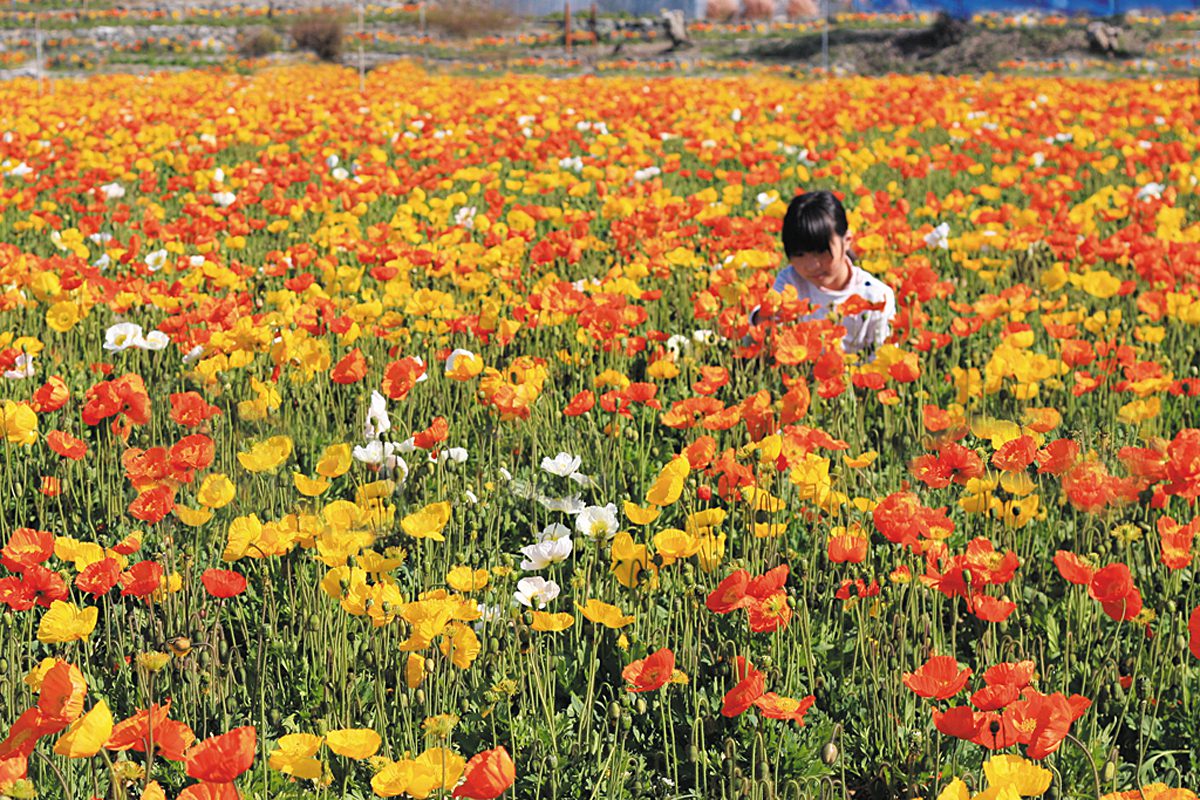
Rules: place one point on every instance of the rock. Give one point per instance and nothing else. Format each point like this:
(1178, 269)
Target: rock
(1104, 38)
(676, 28)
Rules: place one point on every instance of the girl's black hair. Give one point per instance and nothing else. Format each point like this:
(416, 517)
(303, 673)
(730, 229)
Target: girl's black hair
(811, 222)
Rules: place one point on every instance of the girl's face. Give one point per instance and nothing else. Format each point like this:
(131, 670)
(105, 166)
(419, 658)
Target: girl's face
(830, 269)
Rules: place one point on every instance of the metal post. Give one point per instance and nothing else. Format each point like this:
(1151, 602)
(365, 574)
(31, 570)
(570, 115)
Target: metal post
(37, 35)
(421, 16)
(567, 24)
(825, 39)
(362, 71)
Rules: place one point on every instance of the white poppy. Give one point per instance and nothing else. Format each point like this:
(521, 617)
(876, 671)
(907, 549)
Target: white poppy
(597, 522)
(378, 422)
(155, 340)
(112, 191)
(568, 505)
(535, 590)
(22, 368)
(122, 336)
(562, 464)
(156, 260)
(553, 532)
(939, 236)
(465, 217)
(224, 199)
(1150, 190)
(543, 554)
(194, 354)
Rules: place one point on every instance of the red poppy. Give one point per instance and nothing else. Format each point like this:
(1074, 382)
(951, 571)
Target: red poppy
(768, 583)
(221, 759)
(1017, 674)
(51, 396)
(61, 694)
(437, 432)
(24, 734)
(937, 678)
(730, 593)
(961, 722)
(206, 790)
(996, 731)
(190, 409)
(487, 775)
(50, 486)
(1183, 465)
(847, 549)
(129, 545)
(1072, 568)
(153, 505)
(142, 579)
(172, 738)
(1015, 455)
(991, 609)
(133, 733)
(580, 403)
(44, 585)
(351, 369)
(223, 583)
(770, 613)
(66, 445)
(12, 769)
(26, 547)
(190, 454)
(1176, 542)
(650, 673)
(99, 577)
(399, 377)
(745, 693)
(700, 452)
(1057, 457)
(774, 706)
(995, 697)
(1114, 582)
(1052, 715)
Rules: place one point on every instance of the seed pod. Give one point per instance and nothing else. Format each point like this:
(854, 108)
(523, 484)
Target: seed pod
(420, 696)
(614, 711)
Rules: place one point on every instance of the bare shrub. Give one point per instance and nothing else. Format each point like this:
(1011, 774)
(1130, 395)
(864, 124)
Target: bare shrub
(258, 43)
(468, 18)
(321, 33)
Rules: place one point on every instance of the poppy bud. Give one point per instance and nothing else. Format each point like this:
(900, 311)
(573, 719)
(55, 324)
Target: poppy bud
(420, 695)
(614, 711)
(640, 706)
(829, 754)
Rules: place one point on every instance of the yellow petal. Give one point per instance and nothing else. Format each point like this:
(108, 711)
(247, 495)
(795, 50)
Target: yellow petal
(89, 733)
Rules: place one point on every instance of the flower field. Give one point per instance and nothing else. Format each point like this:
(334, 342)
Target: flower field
(414, 441)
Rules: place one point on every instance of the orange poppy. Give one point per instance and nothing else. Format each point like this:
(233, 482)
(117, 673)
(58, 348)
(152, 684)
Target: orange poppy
(790, 709)
(351, 369)
(730, 593)
(487, 775)
(938, 678)
(66, 445)
(223, 583)
(650, 673)
(221, 759)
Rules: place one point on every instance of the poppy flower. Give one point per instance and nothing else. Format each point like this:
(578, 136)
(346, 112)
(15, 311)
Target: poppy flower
(221, 759)
(745, 693)
(581, 403)
(66, 445)
(134, 732)
(190, 409)
(769, 613)
(62, 692)
(223, 583)
(730, 593)
(774, 706)
(153, 505)
(487, 775)
(352, 368)
(650, 673)
(99, 577)
(937, 678)
(142, 579)
(1017, 674)
(1073, 568)
(26, 547)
